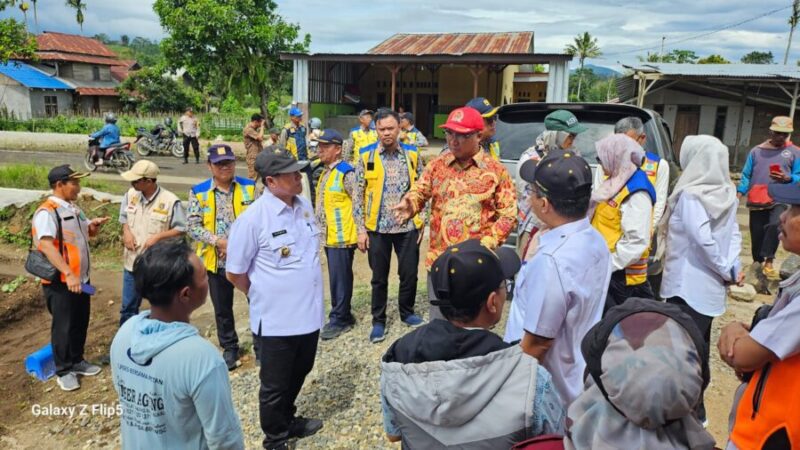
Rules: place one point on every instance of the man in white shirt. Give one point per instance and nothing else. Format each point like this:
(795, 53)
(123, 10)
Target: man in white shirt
(273, 257)
(561, 291)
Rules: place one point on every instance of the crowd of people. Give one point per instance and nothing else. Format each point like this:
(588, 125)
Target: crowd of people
(592, 356)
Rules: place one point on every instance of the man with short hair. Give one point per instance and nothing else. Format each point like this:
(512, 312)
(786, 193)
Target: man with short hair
(148, 214)
(560, 293)
(453, 383)
(386, 170)
(214, 204)
(61, 232)
(274, 259)
(472, 195)
(488, 142)
(189, 126)
(293, 136)
(335, 216)
(172, 384)
(253, 143)
(409, 134)
(361, 136)
(274, 137)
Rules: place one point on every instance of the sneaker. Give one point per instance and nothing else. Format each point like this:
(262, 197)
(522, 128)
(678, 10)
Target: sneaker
(302, 427)
(85, 368)
(68, 382)
(331, 331)
(231, 358)
(771, 273)
(378, 333)
(705, 423)
(413, 321)
(185, 162)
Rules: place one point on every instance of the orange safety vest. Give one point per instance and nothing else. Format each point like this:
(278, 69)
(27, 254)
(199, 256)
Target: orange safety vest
(75, 244)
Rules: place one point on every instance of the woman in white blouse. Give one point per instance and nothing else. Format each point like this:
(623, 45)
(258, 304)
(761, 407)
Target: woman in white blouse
(701, 255)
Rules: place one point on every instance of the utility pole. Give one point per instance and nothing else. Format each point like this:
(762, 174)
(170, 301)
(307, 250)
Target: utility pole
(792, 24)
(661, 55)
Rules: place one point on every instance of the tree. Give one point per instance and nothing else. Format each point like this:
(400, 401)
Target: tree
(232, 45)
(152, 91)
(78, 6)
(675, 56)
(15, 41)
(124, 40)
(793, 20)
(713, 59)
(583, 46)
(756, 57)
(102, 37)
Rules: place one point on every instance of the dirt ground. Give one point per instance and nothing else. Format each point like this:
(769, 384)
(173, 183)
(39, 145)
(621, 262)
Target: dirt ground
(24, 328)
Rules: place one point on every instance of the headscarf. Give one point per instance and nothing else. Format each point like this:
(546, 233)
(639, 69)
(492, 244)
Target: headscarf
(652, 372)
(616, 154)
(704, 162)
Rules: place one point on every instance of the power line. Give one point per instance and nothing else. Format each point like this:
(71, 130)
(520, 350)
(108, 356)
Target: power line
(701, 35)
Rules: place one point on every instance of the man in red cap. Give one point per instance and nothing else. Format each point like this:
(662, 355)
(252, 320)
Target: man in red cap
(472, 195)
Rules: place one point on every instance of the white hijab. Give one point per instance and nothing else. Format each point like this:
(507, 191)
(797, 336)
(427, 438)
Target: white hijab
(704, 161)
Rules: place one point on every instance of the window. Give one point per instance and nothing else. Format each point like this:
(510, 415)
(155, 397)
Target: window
(50, 105)
(95, 73)
(719, 125)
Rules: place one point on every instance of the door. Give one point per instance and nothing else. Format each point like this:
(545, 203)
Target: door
(423, 117)
(687, 123)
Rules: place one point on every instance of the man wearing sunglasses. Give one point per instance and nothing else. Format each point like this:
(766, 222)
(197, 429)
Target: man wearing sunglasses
(472, 195)
(148, 214)
(213, 206)
(489, 113)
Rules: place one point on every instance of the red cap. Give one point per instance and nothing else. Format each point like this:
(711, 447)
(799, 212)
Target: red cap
(464, 120)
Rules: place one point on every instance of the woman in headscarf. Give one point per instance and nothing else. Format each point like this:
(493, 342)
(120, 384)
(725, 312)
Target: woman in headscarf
(622, 211)
(701, 238)
(650, 367)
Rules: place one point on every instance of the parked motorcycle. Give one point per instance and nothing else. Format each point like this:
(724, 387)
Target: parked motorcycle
(161, 140)
(118, 157)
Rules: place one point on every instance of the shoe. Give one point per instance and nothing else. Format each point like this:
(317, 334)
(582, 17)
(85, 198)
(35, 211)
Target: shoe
(378, 333)
(231, 358)
(705, 423)
(186, 162)
(85, 368)
(68, 382)
(302, 427)
(413, 321)
(99, 162)
(331, 331)
(771, 273)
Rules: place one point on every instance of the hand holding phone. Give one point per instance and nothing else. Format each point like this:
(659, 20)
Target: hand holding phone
(775, 168)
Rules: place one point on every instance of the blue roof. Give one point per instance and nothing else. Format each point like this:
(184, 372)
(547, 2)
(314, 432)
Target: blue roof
(30, 77)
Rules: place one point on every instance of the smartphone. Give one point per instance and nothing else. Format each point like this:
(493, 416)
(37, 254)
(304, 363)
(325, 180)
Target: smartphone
(87, 288)
(775, 168)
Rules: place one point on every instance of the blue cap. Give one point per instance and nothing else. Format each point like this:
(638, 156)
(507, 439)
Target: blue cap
(330, 136)
(788, 193)
(220, 152)
(294, 111)
(483, 106)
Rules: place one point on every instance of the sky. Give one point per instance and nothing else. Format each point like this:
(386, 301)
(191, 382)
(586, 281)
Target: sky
(624, 29)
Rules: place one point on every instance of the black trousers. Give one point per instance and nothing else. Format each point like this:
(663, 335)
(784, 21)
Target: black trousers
(70, 322)
(379, 255)
(764, 232)
(340, 274)
(221, 291)
(195, 146)
(703, 323)
(285, 362)
(618, 291)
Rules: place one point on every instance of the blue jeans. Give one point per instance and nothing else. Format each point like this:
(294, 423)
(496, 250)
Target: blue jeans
(340, 273)
(131, 300)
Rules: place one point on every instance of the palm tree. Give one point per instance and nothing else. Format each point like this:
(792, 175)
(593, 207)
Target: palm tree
(584, 46)
(78, 6)
(793, 20)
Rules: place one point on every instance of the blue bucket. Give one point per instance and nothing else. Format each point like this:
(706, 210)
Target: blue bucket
(41, 364)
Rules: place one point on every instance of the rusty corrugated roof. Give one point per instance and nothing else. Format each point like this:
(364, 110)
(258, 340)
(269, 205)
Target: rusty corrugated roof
(102, 92)
(456, 44)
(71, 43)
(59, 56)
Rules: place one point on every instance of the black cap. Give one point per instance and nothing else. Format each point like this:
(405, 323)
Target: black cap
(275, 160)
(408, 116)
(466, 273)
(788, 194)
(330, 136)
(64, 173)
(561, 174)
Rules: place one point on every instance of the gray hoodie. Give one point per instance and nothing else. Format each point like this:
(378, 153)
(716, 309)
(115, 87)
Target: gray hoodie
(173, 388)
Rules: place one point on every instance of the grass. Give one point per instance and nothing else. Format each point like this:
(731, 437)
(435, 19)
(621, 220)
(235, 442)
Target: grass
(31, 176)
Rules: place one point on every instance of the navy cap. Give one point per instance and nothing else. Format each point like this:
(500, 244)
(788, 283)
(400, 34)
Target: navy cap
(330, 136)
(483, 106)
(788, 194)
(275, 160)
(220, 152)
(466, 273)
(560, 175)
(63, 173)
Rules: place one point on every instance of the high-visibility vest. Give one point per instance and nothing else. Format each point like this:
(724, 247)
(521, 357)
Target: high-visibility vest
(341, 228)
(650, 166)
(296, 141)
(147, 219)
(76, 245)
(769, 410)
(375, 178)
(243, 196)
(607, 220)
(492, 147)
(362, 139)
(411, 136)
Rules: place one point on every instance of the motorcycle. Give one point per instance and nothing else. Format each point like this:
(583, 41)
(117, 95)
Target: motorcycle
(161, 140)
(117, 156)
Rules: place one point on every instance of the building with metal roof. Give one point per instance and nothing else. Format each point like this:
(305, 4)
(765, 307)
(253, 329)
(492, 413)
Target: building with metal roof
(26, 91)
(428, 74)
(734, 102)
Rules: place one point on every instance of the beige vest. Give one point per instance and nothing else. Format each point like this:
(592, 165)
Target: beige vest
(147, 218)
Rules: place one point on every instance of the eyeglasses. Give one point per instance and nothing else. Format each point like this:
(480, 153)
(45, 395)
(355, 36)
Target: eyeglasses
(460, 136)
